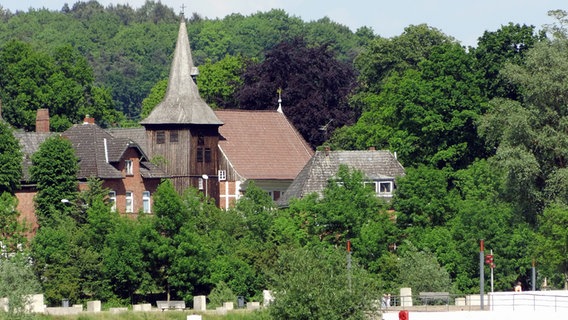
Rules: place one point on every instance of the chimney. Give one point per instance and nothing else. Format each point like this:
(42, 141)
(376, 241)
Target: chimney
(372, 149)
(88, 120)
(42, 120)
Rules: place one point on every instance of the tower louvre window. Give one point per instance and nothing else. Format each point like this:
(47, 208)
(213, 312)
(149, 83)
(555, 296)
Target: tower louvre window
(199, 157)
(160, 137)
(207, 154)
(174, 136)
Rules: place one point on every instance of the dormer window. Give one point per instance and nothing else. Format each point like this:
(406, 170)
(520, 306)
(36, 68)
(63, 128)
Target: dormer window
(385, 188)
(128, 167)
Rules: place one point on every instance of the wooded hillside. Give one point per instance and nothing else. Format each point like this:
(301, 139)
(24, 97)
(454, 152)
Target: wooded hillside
(481, 131)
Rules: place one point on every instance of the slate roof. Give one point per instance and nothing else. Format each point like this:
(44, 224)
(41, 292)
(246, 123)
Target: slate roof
(262, 144)
(138, 135)
(375, 164)
(182, 103)
(88, 142)
(29, 142)
(98, 149)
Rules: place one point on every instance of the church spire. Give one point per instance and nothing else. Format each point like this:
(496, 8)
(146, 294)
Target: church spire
(182, 103)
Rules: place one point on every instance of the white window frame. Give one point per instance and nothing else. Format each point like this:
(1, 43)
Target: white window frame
(128, 167)
(146, 204)
(112, 199)
(390, 187)
(129, 201)
(222, 174)
(200, 184)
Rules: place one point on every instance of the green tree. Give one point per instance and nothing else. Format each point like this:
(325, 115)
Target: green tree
(346, 206)
(421, 271)
(553, 244)
(218, 82)
(124, 261)
(494, 49)
(315, 283)
(424, 198)
(532, 145)
(54, 170)
(17, 283)
(12, 231)
(62, 81)
(221, 294)
(10, 159)
(383, 57)
(57, 262)
(427, 114)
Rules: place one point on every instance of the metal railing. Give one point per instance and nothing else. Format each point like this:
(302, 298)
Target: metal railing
(513, 301)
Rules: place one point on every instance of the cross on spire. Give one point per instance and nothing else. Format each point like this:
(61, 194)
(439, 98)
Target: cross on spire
(182, 9)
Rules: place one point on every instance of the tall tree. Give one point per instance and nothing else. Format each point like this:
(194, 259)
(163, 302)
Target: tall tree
(17, 283)
(54, 170)
(427, 114)
(529, 136)
(10, 159)
(552, 248)
(494, 49)
(313, 283)
(12, 231)
(313, 83)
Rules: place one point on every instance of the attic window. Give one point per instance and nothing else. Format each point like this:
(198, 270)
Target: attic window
(128, 167)
(160, 137)
(385, 188)
(174, 137)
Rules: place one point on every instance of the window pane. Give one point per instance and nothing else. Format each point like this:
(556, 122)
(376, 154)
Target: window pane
(128, 167)
(112, 200)
(207, 154)
(174, 136)
(160, 137)
(129, 202)
(146, 201)
(385, 187)
(199, 154)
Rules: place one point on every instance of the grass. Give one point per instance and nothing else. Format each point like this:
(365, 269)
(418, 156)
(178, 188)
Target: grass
(153, 315)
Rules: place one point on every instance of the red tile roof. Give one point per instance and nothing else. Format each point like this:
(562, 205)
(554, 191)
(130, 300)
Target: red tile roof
(262, 145)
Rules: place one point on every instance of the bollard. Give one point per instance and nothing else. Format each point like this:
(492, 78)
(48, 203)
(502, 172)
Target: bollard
(403, 315)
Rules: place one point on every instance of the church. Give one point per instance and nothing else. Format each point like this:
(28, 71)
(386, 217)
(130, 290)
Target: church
(183, 139)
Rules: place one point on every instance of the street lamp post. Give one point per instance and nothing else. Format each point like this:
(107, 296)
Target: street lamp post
(205, 178)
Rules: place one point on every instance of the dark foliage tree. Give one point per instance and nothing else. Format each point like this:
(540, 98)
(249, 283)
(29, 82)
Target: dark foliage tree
(314, 85)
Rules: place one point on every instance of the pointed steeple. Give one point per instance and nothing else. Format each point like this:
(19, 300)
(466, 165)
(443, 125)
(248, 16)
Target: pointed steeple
(182, 103)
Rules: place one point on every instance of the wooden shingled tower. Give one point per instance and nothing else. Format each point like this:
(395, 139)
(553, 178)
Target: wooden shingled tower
(182, 130)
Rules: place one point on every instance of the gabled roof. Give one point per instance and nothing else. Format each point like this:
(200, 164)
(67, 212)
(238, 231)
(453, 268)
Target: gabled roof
(29, 142)
(375, 164)
(262, 145)
(97, 150)
(182, 103)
